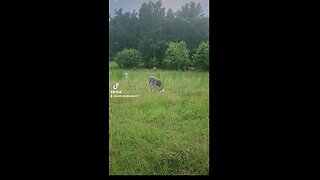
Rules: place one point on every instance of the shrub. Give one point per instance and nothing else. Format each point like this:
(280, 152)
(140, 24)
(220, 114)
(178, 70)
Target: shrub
(200, 58)
(128, 58)
(113, 65)
(177, 56)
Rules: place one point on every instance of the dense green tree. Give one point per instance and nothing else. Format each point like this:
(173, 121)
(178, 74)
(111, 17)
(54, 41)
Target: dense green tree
(193, 28)
(200, 58)
(152, 43)
(123, 32)
(177, 56)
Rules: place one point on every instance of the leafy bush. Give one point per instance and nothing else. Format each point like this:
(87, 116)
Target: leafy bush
(113, 65)
(177, 56)
(201, 56)
(128, 58)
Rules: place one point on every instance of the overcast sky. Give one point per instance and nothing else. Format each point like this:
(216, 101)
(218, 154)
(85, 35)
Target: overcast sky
(130, 5)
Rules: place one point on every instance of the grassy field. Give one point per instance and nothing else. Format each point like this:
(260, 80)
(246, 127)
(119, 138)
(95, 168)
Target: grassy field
(159, 134)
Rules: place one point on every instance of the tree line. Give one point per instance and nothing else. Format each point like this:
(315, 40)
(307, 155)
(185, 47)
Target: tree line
(156, 37)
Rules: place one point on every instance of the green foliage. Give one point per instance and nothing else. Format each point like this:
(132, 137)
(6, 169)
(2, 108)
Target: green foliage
(190, 11)
(200, 58)
(177, 56)
(128, 58)
(113, 65)
(151, 28)
(124, 31)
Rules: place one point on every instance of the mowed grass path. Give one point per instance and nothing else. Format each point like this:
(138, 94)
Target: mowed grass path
(159, 134)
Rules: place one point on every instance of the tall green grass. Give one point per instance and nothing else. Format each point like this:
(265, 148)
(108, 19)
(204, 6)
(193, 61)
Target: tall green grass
(159, 134)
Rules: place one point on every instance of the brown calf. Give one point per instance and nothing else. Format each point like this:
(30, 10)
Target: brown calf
(189, 68)
(154, 68)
